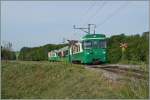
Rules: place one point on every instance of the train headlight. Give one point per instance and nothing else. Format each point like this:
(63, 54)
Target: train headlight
(104, 52)
(88, 53)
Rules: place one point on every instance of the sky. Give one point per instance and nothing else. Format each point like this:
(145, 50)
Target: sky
(36, 23)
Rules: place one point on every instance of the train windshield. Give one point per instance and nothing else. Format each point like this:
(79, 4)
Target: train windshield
(94, 44)
(102, 44)
(99, 44)
(87, 44)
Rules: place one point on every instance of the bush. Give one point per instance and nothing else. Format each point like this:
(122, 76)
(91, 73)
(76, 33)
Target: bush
(135, 51)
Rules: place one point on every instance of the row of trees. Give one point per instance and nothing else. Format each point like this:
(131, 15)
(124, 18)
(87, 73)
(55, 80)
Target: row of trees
(38, 53)
(138, 49)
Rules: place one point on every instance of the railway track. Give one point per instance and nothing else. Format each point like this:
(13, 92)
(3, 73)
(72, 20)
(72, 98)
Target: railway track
(116, 71)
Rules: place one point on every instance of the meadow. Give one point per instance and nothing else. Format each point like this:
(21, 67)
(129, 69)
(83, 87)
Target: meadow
(60, 80)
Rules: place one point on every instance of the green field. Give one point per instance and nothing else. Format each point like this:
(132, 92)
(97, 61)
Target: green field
(50, 80)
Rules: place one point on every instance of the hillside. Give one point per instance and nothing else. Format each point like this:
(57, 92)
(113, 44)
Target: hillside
(28, 79)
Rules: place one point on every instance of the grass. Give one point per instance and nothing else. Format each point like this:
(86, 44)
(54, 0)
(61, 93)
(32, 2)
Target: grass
(51, 80)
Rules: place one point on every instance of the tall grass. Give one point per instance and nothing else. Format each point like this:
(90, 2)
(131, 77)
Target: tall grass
(50, 80)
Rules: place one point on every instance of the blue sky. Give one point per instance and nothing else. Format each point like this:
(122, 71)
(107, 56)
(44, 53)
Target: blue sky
(36, 23)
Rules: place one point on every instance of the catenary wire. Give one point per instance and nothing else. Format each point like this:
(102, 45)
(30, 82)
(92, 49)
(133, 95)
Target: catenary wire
(87, 11)
(113, 14)
(96, 12)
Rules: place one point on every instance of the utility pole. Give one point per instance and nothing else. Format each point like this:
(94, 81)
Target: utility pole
(89, 28)
(94, 28)
(86, 30)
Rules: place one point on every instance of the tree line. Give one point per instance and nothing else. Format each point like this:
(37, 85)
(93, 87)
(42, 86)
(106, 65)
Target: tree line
(38, 53)
(138, 49)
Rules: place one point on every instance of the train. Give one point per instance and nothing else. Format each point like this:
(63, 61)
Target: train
(90, 49)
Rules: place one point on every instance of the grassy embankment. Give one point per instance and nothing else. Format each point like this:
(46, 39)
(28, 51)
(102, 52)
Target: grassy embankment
(27, 79)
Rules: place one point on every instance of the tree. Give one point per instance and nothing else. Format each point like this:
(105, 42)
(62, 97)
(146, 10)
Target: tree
(6, 51)
(137, 51)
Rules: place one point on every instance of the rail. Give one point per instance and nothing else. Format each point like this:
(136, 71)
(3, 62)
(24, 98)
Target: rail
(126, 70)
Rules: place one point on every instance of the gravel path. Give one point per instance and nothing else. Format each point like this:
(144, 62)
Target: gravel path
(117, 72)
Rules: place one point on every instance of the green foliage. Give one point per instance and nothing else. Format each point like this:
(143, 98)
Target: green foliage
(135, 89)
(137, 51)
(7, 54)
(38, 53)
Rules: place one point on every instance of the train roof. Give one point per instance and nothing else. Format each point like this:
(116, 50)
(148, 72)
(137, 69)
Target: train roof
(63, 49)
(93, 36)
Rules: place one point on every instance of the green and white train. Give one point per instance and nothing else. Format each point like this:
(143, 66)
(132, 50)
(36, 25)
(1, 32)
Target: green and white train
(91, 49)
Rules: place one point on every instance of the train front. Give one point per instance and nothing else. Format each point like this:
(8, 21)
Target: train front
(94, 48)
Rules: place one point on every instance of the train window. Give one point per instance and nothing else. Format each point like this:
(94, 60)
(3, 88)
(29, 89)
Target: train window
(55, 54)
(66, 53)
(52, 54)
(102, 43)
(75, 49)
(59, 54)
(87, 44)
(96, 44)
